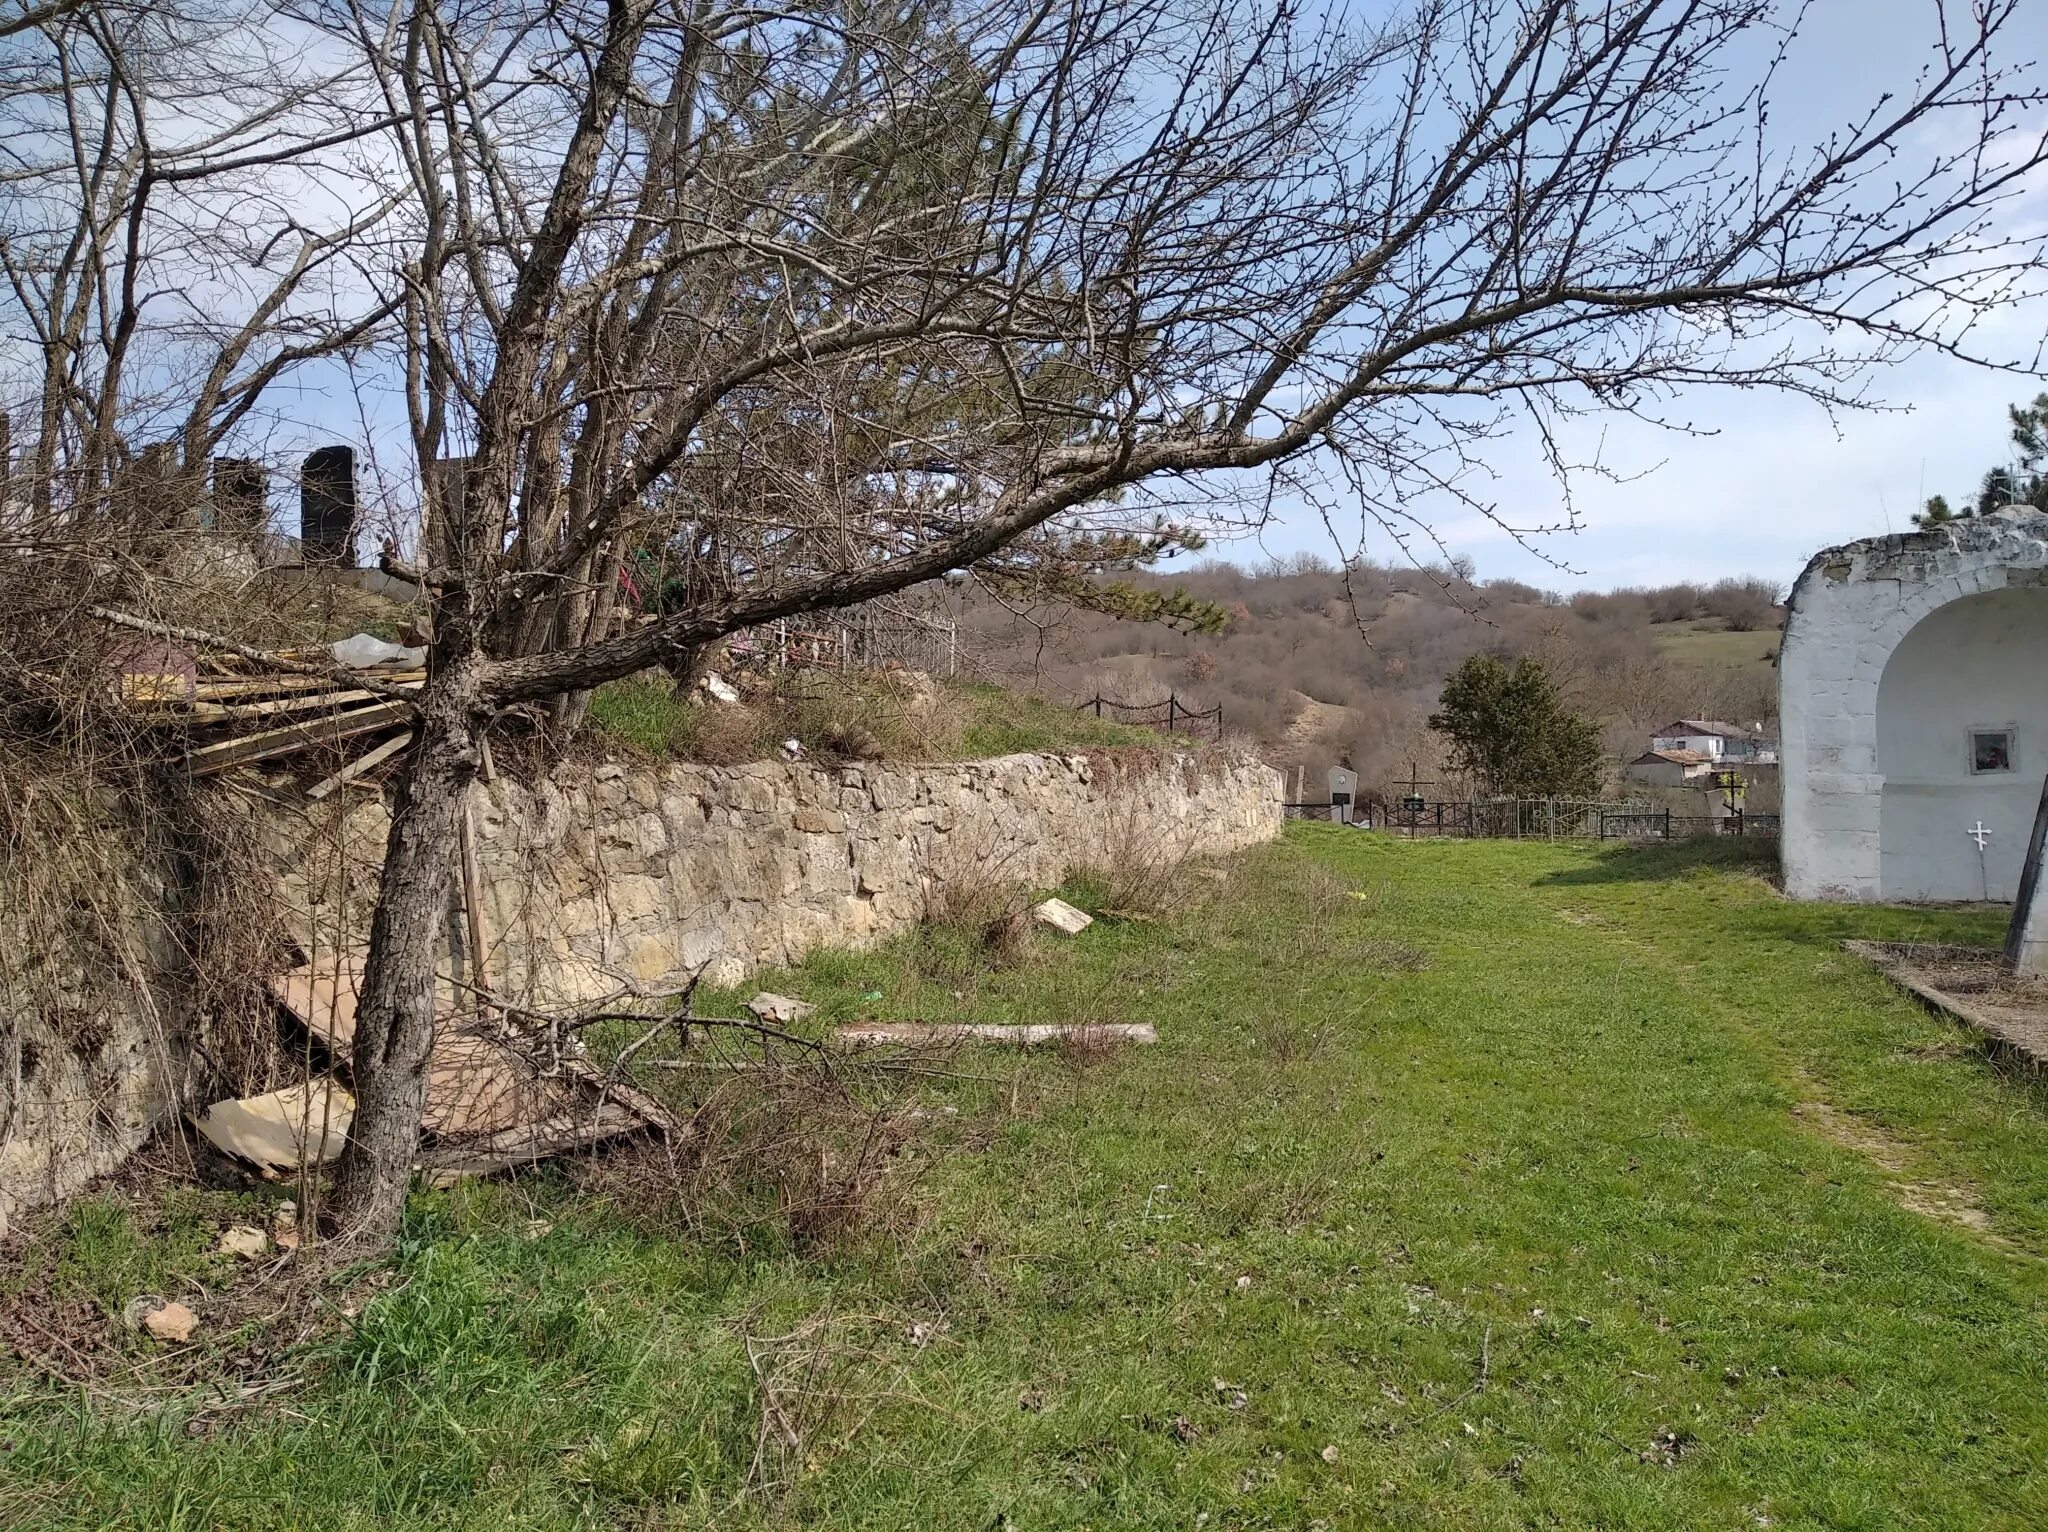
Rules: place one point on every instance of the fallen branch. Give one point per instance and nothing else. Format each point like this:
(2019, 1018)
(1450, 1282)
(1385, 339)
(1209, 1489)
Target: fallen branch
(1032, 1035)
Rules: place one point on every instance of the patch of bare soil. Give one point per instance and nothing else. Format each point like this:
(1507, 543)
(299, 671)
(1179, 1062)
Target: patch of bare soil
(1314, 719)
(1944, 1202)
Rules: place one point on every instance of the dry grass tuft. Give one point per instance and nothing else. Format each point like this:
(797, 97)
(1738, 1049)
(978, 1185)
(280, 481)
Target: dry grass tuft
(785, 1143)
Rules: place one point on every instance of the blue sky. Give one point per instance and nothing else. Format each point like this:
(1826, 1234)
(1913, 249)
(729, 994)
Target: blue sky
(1777, 479)
(1769, 480)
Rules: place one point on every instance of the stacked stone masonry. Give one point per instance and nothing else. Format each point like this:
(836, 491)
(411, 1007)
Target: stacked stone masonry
(601, 877)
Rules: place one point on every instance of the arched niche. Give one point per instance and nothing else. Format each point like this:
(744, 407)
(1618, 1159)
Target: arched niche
(1962, 742)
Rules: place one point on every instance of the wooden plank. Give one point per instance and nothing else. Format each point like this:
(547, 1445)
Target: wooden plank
(277, 706)
(369, 760)
(881, 1033)
(257, 686)
(299, 736)
(480, 1092)
(529, 1143)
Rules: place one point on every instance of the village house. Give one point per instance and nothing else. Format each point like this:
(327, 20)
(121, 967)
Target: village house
(1670, 768)
(1914, 706)
(1716, 741)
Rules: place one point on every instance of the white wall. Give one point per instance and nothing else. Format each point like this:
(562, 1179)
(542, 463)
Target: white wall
(1846, 836)
(1705, 744)
(1980, 662)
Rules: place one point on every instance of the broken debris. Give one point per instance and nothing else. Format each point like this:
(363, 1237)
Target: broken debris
(1062, 916)
(779, 1010)
(488, 1106)
(171, 1322)
(278, 1132)
(245, 1241)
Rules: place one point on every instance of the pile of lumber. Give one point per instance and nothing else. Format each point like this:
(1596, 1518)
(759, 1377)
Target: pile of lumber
(489, 1105)
(235, 712)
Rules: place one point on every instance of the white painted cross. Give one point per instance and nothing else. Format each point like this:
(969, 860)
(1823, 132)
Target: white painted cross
(1979, 833)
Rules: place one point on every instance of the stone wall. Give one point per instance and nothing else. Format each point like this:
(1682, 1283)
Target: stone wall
(91, 1053)
(595, 876)
(648, 873)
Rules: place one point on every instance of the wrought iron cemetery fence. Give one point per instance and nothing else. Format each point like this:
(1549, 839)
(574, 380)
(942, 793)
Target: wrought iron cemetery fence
(1662, 824)
(1172, 715)
(1538, 819)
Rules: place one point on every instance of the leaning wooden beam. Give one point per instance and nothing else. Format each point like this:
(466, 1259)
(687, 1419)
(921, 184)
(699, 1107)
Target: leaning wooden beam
(316, 731)
(1034, 1035)
(368, 761)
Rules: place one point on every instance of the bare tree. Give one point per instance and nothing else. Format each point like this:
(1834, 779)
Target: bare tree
(837, 296)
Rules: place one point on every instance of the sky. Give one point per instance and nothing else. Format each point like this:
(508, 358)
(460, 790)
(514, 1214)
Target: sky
(1777, 480)
(1766, 481)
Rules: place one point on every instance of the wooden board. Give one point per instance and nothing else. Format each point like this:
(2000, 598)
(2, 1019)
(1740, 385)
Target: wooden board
(368, 761)
(882, 1033)
(331, 730)
(481, 1093)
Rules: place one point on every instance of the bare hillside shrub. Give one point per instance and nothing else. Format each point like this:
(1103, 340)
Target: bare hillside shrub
(1744, 605)
(1141, 868)
(784, 1142)
(975, 898)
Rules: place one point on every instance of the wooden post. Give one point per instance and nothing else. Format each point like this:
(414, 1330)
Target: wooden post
(2026, 937)
(473, 910)
(1098, 704)
(1170, 703)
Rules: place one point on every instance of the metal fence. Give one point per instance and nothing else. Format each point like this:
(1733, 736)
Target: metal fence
(1172, 715)
(1539, 819)
(861, 641)
(1662, 824)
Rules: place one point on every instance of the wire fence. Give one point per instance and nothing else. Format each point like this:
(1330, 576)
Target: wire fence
(1171, 715)
(1537, 819)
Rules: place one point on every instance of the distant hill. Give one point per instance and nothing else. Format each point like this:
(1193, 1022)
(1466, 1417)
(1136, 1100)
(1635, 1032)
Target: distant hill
(1314, 666)
(1709, 641)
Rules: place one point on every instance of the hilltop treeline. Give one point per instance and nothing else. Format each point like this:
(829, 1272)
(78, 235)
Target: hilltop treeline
(1314, 664)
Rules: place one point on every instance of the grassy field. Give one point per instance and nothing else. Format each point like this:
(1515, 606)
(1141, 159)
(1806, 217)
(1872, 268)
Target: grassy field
(1473, 1185)
(1706, 642)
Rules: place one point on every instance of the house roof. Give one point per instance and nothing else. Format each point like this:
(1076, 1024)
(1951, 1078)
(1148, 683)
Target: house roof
(1712, 726)
(1671, 757)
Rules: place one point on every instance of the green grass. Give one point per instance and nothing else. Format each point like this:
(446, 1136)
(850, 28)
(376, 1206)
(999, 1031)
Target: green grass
(1705, 641)
(1544, 1234)
(836, 716)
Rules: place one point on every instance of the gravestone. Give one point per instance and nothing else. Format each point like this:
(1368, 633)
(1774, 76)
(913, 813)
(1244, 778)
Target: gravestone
(327, 506)
(240, 493)
(1343, 793)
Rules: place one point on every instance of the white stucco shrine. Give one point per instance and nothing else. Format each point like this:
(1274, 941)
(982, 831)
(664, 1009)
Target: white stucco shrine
(1913, 694)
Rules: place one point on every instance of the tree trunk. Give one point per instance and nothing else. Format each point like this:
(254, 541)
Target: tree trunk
(395, 1011)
